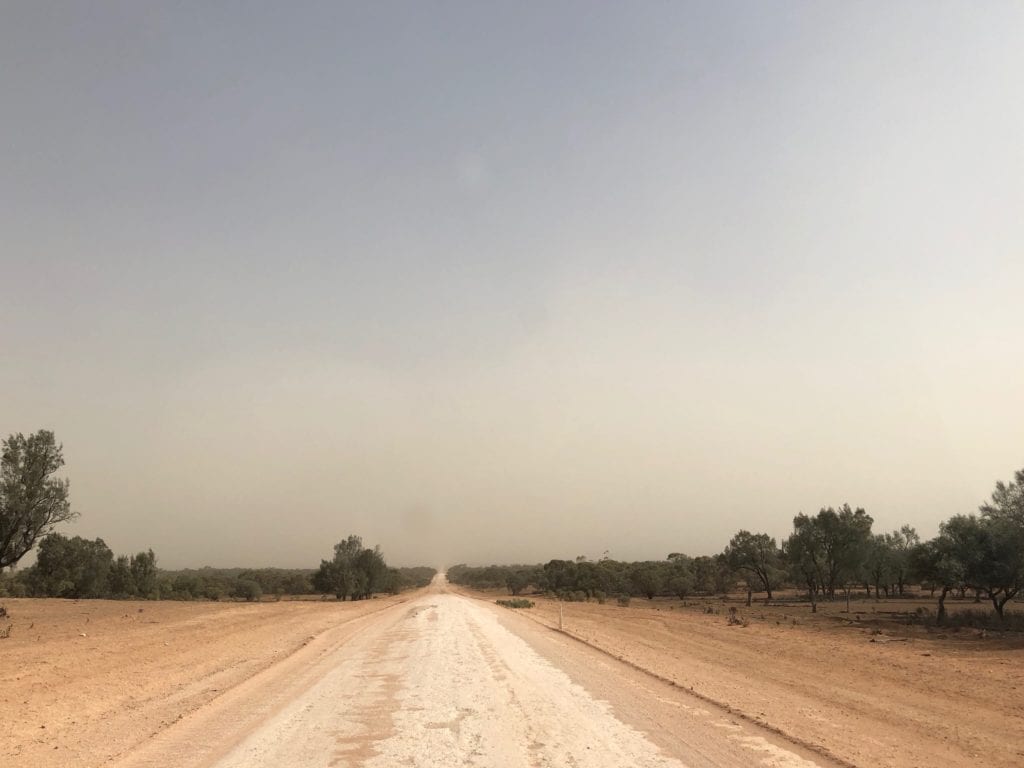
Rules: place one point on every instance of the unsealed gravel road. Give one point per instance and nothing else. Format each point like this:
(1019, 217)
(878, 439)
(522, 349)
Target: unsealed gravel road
(445, 680)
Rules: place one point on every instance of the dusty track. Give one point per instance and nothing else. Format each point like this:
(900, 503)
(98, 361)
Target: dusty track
(445, 681)
(82, 683)
(437, 678)
(927, 700)
(431, 679)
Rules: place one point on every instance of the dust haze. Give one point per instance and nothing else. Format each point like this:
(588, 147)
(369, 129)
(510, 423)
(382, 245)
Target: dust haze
(698, 271)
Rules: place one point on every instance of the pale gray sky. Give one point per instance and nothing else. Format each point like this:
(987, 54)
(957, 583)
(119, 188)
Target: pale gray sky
(512, 281)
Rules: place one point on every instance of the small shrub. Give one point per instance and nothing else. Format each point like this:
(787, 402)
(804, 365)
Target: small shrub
(213, 592)
(572, 596)
(735, 620)
(518, 602)
(623, 600)
(5, 633)
(248, 589)
(969, 618)
(983, 619)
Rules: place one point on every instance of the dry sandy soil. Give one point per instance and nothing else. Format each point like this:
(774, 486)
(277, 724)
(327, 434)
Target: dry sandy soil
(438, 678)
(82, 682)
(864, 691)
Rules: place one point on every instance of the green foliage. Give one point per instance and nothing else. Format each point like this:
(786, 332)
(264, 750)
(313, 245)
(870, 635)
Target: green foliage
(416, 575)
(983, 553)
(134, 576)
(712, 575)
(517, 602)
(1007, 502)
(409, 577)
(681, 584)
(337, 575)
(32, 500)
(10, 586)
(217, 583)
(142, 568)
(648, 578)
(756, 555)
(247, 589)
(990, 554)
(517, 581)
(74, 567)
(831, 549)
(515, 578)
(359, 572)
(887, 564)
(582, 580)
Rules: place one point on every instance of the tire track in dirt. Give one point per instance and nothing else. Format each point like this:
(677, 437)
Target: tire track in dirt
(721, 705)
(444, 681)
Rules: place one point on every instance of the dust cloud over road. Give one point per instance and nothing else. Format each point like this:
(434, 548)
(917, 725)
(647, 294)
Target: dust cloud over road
(445, 680)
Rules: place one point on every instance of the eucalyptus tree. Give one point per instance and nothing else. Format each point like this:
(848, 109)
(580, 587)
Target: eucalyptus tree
(757, 556)
(32, 499)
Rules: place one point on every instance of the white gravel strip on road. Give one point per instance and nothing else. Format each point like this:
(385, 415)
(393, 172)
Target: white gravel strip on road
(446, 686)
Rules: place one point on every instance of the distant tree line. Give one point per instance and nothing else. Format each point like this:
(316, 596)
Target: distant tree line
(832, 553)
(81, 568)
(33, 501)
(238, 583)
(584, 579)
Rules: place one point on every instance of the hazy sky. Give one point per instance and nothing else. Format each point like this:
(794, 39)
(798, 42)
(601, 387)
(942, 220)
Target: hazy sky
(515, 281)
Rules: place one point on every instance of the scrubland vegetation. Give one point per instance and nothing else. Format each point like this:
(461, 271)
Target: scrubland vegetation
(679, 618)
(33, 501)
(833, 554)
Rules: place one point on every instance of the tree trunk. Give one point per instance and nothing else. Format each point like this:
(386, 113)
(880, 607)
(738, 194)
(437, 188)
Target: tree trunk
(940, 618)
(998, 603)
(847, 599)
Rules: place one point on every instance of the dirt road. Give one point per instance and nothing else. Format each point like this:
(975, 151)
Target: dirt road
(119, 683)
(445, 680)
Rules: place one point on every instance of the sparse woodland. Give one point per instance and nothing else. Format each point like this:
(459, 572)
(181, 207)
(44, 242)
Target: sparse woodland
(832, 555)
(33, 501)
